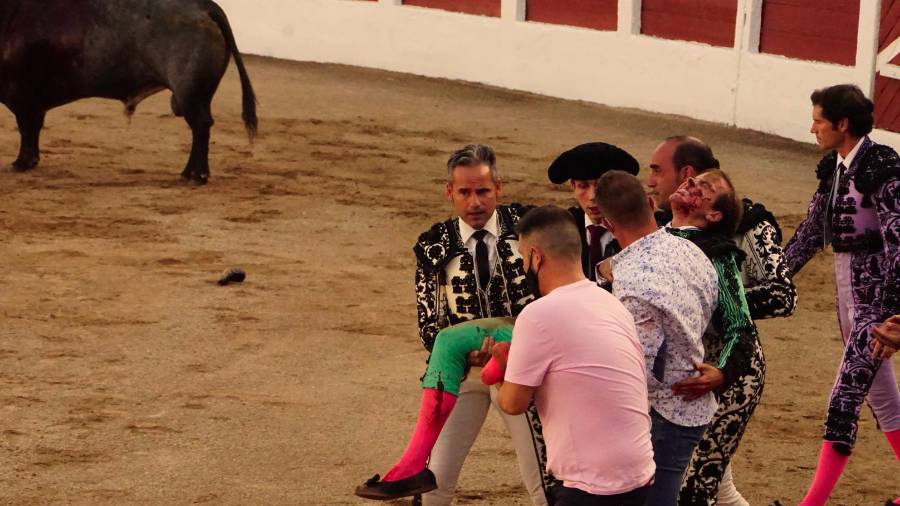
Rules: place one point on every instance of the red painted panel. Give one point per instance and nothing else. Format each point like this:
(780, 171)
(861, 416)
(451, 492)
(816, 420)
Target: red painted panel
(846, 6)
(887, 90)
(887, 103)
(890, 26)
(596, 14)
(482, 7)
(890, 22)
(708, 21)
(811, 29)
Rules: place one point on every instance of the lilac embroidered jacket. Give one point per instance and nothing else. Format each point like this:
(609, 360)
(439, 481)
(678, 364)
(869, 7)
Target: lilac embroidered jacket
(865, 222)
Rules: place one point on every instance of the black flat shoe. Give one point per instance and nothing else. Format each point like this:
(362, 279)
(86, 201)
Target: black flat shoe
(378, 490)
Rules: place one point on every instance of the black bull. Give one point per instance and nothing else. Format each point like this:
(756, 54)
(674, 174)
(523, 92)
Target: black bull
(53, 52)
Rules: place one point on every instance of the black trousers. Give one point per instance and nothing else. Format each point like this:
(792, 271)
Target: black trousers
(565, 496)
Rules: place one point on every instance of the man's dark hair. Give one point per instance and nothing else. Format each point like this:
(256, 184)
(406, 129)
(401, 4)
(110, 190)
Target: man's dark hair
(694, 152)
(846, 101)
(729, 204)
(553, 230)
(622, 200)
(473, 155)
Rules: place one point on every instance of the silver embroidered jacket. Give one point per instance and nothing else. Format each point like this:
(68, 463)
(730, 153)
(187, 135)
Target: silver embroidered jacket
(446, 287)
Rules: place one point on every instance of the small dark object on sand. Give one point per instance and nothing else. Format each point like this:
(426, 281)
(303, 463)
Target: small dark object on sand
(233, 275)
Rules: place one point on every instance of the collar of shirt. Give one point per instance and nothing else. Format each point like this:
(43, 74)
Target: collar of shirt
(492, 227)
(851, 155)
(466, 231)
(685, 227)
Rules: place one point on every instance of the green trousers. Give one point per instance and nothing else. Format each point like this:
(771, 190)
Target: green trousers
(449, 355)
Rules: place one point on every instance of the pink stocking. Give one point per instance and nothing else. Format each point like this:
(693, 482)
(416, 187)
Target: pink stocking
(893, 438)
(828, 472)
(433, 413)
(493, 372)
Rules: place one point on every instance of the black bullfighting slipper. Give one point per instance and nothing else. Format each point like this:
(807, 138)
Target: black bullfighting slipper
(418, 483)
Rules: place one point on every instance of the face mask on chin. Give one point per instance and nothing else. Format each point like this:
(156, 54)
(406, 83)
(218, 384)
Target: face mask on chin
(531, 277)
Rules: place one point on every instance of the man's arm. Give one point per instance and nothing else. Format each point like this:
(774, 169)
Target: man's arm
(739, 332)
(809, 237)
(514, 399)
(887, 206)
(775, 294)
(648, 321)
(427, 306)
(888, 333)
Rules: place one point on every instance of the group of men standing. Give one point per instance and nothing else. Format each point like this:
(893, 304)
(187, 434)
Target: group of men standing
(642, 395)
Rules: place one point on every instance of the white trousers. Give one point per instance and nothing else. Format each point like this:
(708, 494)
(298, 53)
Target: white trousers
(728, 494)
(458, 436)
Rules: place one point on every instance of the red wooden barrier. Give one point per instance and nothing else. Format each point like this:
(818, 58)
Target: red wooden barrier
(822, 30)
(890, 26)
(596, 14)
(708, 21)
(482, 7)
(887, 90)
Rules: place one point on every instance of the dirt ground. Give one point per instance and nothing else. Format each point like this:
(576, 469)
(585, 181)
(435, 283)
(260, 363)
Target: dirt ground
(127, 376)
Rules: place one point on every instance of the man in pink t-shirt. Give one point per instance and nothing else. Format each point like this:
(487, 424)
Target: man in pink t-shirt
(575, 351)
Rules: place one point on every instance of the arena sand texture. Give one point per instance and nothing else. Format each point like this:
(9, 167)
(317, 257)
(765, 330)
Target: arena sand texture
(127, 376)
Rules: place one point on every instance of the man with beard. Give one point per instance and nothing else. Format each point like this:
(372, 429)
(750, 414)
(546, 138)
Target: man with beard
(576, 354)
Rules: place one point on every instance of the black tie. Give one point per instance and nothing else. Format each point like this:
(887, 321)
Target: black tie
(482, 264)
(829, 208)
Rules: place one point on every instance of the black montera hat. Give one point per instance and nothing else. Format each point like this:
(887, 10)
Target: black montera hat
(590, 161)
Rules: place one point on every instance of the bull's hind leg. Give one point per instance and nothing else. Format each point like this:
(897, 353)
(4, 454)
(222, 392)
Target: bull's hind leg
(30, 125)
(193, 77)
(199, 118)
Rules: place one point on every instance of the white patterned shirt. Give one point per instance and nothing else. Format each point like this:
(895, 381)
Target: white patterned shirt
(671, 288)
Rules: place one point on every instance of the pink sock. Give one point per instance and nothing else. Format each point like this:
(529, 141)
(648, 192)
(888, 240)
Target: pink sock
(492, 373)
(894, 439)
(433, 413)
(828, 472)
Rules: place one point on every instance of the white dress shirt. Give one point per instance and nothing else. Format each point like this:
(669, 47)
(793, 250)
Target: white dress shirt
(492, 227)
(847, 162)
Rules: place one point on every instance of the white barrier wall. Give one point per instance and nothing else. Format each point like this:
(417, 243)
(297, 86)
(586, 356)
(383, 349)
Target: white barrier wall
(736, 86)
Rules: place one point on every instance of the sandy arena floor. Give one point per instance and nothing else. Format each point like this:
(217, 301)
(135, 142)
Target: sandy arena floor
(127, 376)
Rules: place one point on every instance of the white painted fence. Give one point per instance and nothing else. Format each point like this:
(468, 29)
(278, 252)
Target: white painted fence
(736, 86)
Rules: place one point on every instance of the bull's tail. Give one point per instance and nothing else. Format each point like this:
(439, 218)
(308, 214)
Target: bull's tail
(248, 96)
